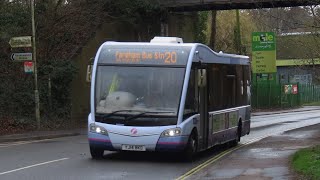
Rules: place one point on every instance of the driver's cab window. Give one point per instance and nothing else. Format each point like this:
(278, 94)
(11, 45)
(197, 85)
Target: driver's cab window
(190, 107)
(138, 88)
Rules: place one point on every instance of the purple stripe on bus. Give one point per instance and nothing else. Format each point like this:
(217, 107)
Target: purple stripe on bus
(172, 143)
(99, 140)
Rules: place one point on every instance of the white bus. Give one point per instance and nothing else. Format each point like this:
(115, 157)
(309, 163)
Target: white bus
(167, 95)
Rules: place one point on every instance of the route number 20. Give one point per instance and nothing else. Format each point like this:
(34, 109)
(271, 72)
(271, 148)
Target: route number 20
(170, 58)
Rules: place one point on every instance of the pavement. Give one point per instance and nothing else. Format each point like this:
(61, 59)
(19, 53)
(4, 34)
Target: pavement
(302, 109)
(40, 135)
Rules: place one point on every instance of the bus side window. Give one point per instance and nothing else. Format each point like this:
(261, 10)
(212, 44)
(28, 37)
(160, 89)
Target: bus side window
(213, 87)
(230, 86)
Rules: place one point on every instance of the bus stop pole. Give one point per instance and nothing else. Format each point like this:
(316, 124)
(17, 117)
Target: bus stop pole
(36, 91)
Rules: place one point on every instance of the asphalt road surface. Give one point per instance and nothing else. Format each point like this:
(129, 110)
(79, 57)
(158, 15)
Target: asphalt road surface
(69, 157)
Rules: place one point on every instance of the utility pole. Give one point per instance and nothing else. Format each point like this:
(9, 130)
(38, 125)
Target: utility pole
(34, 52)
(238, 33)
(213, 31)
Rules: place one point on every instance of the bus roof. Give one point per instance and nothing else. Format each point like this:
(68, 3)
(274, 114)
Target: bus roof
(136, 53)
(204, 54)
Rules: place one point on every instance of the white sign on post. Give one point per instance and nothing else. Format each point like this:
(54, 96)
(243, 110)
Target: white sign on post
(21, 56)
(23, 41)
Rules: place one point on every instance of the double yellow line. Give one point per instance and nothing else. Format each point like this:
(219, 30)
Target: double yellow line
(216, 158)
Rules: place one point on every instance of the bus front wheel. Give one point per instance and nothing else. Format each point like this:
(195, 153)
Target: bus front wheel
(96, 153)
(191, 148)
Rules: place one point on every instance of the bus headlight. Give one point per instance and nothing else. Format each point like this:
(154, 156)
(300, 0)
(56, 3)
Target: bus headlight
(98, 129)
(171, 132)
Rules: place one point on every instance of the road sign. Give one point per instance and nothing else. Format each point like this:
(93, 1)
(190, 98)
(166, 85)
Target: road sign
(264, 52)
(23, 41)
(291, 89)
(21, 56)
(28, 67)
(295, 89)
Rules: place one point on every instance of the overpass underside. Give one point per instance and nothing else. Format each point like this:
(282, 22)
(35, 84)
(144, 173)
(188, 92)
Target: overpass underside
(203, 5)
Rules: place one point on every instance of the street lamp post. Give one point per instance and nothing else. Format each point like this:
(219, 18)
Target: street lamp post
(34, 51)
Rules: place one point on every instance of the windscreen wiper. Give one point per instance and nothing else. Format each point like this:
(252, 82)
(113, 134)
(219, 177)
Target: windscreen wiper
(115, 112)
(147, 112)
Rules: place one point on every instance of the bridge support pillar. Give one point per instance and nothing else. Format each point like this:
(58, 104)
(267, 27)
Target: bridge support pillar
(164, 29)
(182, 25)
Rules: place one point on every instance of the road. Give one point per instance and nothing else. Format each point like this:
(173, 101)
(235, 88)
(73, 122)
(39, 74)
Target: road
(69, 157)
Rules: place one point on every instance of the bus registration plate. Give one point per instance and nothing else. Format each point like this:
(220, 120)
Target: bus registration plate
(133, 147)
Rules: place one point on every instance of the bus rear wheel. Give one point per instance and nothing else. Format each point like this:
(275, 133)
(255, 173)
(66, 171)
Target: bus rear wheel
(238, 138)
(96, 153)
(239, 131)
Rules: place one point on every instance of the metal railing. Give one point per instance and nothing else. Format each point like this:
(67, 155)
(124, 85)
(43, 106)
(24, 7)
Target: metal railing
(271, 95)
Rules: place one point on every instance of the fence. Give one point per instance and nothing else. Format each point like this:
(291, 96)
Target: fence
(309, 93)
(271, 95)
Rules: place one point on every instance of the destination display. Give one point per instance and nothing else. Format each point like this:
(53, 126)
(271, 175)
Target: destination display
(154, 55)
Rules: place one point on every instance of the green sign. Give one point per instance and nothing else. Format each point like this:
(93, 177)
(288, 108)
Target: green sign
(263, 41)
(263, 52)
(264, 61)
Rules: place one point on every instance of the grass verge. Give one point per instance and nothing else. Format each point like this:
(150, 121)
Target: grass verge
(307, 162)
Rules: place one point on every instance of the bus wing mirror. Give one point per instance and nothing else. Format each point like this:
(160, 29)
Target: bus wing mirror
(89, 70)
(89, 73)
(202, 77)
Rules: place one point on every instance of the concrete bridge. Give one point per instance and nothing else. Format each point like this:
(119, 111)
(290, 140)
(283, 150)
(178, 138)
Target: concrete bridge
(201, 5)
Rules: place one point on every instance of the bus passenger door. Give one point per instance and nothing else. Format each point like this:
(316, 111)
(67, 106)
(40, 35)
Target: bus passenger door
(203, 107)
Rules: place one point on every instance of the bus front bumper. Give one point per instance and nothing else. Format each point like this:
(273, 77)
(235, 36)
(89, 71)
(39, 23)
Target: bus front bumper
(115, 142)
